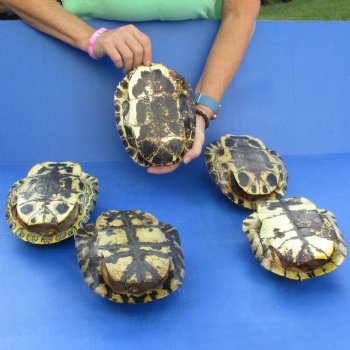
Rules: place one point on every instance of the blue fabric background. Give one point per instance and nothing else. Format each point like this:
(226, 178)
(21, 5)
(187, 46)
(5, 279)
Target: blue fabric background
(292, 91)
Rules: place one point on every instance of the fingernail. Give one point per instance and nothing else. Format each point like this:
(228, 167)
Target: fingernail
(187, 159)
(148, 63)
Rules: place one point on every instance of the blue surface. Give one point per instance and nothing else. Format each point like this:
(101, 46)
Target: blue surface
(292, 90)
(56, 104)
(227, 300)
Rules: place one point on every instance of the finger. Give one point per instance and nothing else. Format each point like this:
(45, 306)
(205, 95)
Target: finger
(127, 55)
(195, 151)
(137, 50)
(146, 43)
(198, 142)
(162, 169)
(115, 57)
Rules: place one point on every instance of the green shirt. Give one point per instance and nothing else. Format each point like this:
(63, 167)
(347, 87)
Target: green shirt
(145, 10)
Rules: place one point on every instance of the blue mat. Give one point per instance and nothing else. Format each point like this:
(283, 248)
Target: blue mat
(292, 90)
(56, 104)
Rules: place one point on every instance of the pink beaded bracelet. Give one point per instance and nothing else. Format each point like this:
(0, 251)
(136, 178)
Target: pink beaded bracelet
(92, 40)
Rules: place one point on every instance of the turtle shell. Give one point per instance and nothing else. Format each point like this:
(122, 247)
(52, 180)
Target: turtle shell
(154, 109)
(245, 170)
(51, 203)
(293, 238)
(130, 257)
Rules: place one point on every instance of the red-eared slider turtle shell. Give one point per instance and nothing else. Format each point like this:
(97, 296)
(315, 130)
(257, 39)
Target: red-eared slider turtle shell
(245, 170)
(51, 203)
(130, 257)
(295, 239)
(154, 109)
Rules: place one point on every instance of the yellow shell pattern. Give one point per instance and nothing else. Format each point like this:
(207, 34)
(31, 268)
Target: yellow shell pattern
(155, 117)
(245, 170)
(50, 193)
(130, 257)
(293, 238)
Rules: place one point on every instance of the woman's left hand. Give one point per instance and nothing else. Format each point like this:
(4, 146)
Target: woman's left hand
(193, 153)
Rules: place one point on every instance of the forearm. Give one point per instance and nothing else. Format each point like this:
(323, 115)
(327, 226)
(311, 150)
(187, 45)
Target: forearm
(230, 44)
(50, 17)
(2, 8)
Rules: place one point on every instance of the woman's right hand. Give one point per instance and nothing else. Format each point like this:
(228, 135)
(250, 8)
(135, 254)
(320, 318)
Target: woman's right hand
(126, 46)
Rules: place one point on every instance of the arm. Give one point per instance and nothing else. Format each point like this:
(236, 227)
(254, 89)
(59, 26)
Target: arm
(236, 30)
(2, 8)
(126, 46)
(226, 54)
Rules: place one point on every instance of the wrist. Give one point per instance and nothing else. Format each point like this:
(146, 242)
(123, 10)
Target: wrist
(208, 111)
(204, 118)
(212, 106)
(92, 40)
(83, 38)
(200, 121)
